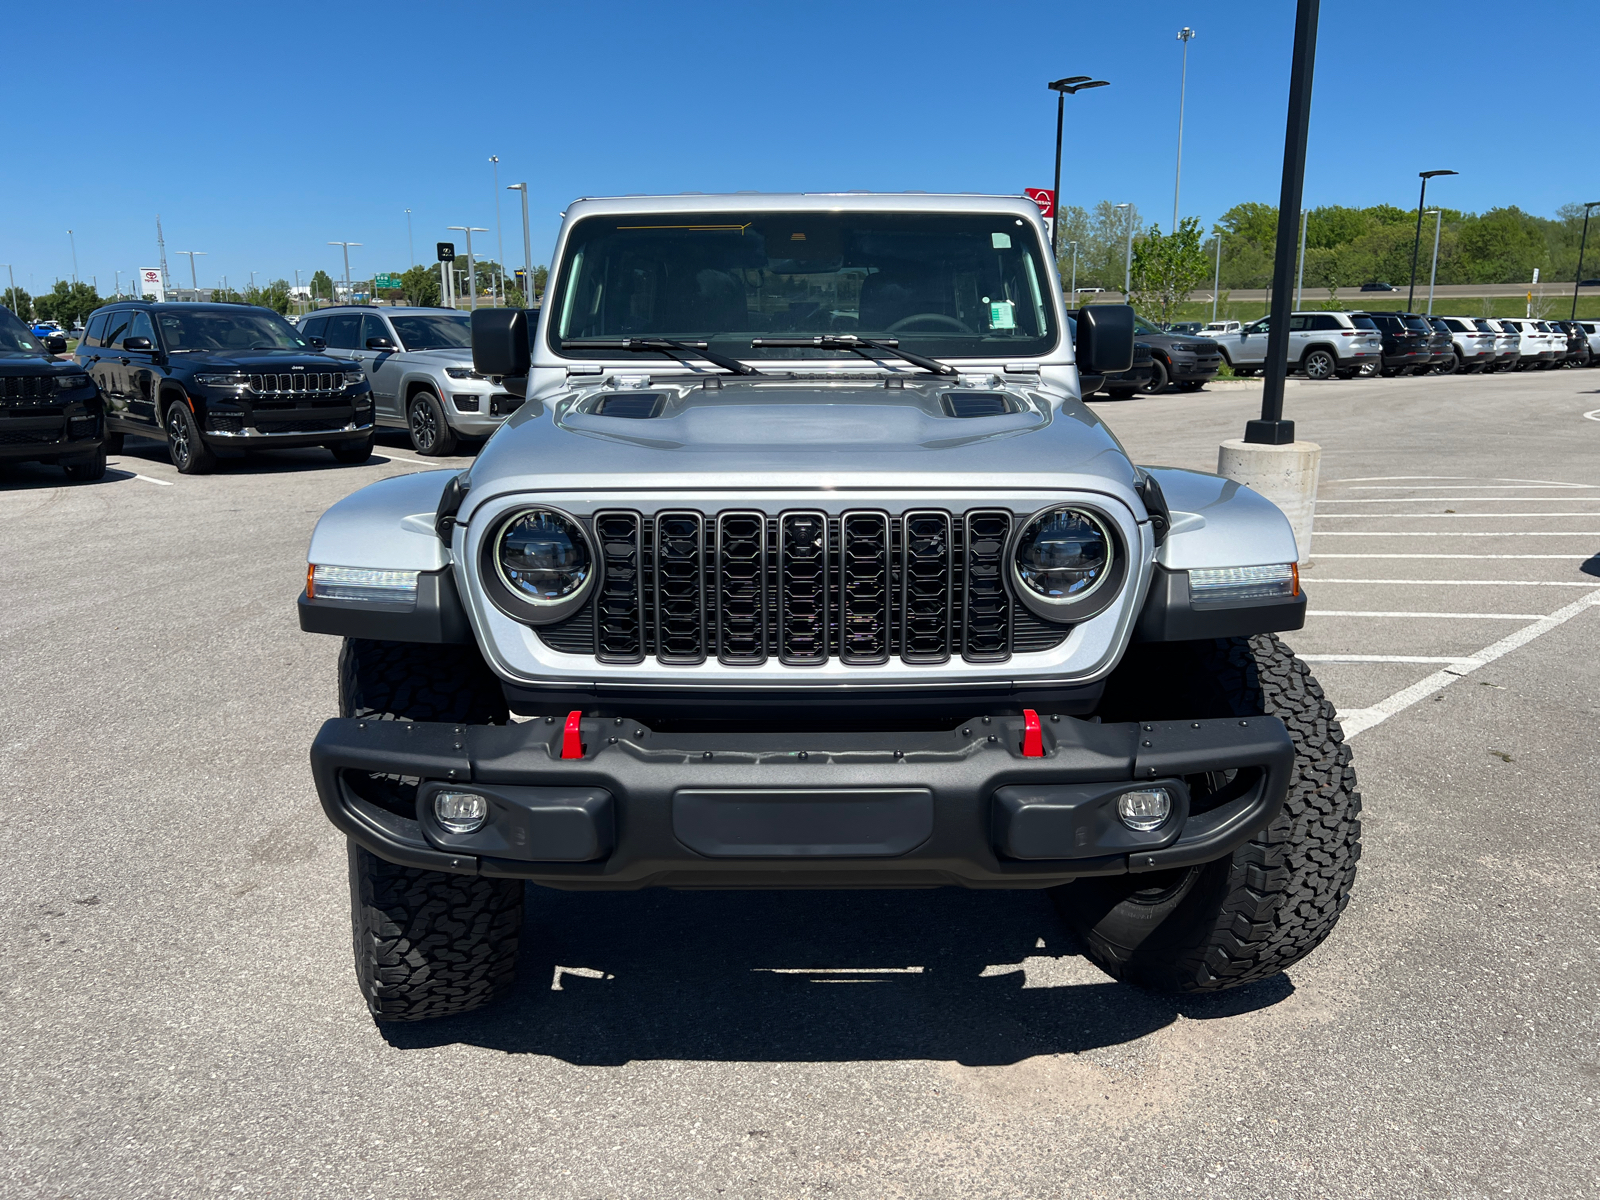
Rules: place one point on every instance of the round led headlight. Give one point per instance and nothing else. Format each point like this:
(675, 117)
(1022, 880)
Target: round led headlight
(1064, 555)
(543, 558)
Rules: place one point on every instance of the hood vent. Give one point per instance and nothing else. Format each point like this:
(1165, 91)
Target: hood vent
(632, 406)
(977, 404)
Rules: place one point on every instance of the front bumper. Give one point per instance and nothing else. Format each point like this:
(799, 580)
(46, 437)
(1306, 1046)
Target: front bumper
(1193, 368)
(846, 810)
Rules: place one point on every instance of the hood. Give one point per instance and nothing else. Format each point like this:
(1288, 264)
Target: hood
(264, 360)
(796, 432)
(37, 364)
(454, 356)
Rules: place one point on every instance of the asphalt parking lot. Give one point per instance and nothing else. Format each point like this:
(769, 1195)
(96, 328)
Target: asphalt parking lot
(181, 1017)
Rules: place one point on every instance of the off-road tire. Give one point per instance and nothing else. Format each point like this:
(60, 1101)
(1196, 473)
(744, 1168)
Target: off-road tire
(430, 431)
(1270, 903)
(427, 943)
(353, 453)
(184, 446)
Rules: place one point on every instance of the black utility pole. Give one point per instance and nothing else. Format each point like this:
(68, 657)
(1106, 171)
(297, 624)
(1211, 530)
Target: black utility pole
(1063, 88)
(1416, 244)
(1272, 429)
(1584, 241)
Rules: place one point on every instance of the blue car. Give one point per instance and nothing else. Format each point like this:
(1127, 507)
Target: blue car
(44, 329)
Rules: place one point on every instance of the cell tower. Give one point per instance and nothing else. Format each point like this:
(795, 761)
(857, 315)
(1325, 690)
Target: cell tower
(162, 243)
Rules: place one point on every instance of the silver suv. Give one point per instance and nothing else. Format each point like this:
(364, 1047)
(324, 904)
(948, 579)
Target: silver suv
(419, 362)
(1321, 345)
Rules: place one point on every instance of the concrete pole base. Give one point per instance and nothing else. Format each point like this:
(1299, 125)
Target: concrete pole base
(1286, 475)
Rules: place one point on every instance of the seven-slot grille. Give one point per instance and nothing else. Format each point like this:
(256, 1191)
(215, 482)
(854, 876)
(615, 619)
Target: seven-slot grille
(26, 387)
(297, 382)
(800, 586)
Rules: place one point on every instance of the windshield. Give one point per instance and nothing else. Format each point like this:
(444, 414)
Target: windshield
(444, 331)
(1364, 323)
(15, 337)
(1140, 325)
(946, 285)
(1417, 323)
(229, 330)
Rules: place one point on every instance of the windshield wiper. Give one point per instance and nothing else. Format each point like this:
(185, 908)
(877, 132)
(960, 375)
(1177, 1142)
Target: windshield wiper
(678, 350)
(860, 345)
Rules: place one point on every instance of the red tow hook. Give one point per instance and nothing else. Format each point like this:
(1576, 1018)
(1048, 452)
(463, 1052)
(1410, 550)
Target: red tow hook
(571, 740)
(1032, 736)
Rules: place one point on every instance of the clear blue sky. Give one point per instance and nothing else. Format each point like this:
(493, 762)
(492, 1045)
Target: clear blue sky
(261, 132)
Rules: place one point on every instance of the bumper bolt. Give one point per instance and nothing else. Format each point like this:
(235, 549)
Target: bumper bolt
(1147, 743)
(992, 737)
(708, 754)
(966, 733)
(611, 741)
(899, 753)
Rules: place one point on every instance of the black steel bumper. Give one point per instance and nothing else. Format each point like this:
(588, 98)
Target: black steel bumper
(1194, 368)
(865, 810)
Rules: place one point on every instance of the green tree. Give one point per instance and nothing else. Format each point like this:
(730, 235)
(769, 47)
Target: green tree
(224, 295)
(275, 295)
(420, 286)
(1166, 269)
(18, 301)
(67, 303)
(321, 286)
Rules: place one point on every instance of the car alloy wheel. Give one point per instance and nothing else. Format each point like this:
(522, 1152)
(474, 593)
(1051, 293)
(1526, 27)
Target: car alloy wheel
(1319, 364)
(424, 426)
(178, 438)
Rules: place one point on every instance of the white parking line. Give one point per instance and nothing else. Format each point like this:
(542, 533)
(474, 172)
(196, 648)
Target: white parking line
(1504, 533)
(1497, 479)
(1382, 658)
(1466, 582)
(1485, 557)
(1358, 720)
(147, 479)
(1456, 499)
(1415, 516)
(1431, 616)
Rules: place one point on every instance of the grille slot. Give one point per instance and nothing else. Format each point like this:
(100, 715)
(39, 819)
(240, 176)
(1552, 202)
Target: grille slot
(25, 387)
(297, 382)
(864, 588)
(619, 609)
(803, 588)
(927, 585)
(987, 603)
(742, 587)
(680, 570)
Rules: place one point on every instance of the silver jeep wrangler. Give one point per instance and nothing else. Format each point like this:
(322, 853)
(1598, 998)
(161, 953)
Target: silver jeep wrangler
(804, 565)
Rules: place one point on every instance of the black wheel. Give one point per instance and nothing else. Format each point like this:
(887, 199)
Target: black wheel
(189, 454)
(1157, 383)
(427, 944)
(1369, 370)
(1271, 902)
(1319, 364)
(430, 432)
(353, 452)
(113, 443)
(1450, 365)
(87, 472)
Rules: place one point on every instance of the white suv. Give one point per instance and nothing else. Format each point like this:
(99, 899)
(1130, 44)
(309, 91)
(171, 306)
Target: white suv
(1474, 342)
(1537, 348)
(1321, 344)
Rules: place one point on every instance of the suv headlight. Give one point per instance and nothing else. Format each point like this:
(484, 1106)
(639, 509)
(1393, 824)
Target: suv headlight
(463, 373)
(1065, 564)
(352, 378)
(542, 565)
(71, 383)
(221, 381)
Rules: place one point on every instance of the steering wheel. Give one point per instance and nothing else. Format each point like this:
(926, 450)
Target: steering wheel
(936, 318)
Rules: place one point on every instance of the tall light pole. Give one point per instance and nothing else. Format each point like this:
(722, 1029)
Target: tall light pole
(527, 246)
(1074, 246)
(499, 241)
(411, 249)
(1127, 266)
(1438, 219)
(1216, 281)
(1063, 88)
(12, 297)
(1583, 242)
(1416, 246)
(194, 285)
(74, 242)
(1300, 279)
(1184, 35)
(472, 270)
(346, 246)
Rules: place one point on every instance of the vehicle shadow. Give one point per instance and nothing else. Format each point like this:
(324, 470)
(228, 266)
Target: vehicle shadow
(609, 978)
(277, 462)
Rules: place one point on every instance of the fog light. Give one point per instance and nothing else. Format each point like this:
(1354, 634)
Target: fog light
(1145, 810)
(464, 812)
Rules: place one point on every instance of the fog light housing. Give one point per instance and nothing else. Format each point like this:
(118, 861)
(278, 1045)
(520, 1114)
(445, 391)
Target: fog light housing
(460, 812)
(1146, 809)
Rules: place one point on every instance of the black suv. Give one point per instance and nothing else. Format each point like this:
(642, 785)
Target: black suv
(1406, 341)
(50, 411)
(1186, 359)
(210, 377)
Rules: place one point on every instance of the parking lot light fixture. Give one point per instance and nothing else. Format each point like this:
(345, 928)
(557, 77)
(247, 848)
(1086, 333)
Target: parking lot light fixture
(346, 246)
(472, 271)
(1074, 246)
(1577, 278)
(1063, 88)
(499, 241)
(194, 285)
(1438, 219)
(411, 250)
(527, 247)
(1127, 265)
(1216, 282)
(1184, 35)
(1416, 246)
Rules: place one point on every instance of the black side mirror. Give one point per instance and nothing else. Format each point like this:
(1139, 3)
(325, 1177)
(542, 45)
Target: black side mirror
(55, 344)
(500, 342)
(379, 343)
(1105, 339)
(316, 343)
(137, 343)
